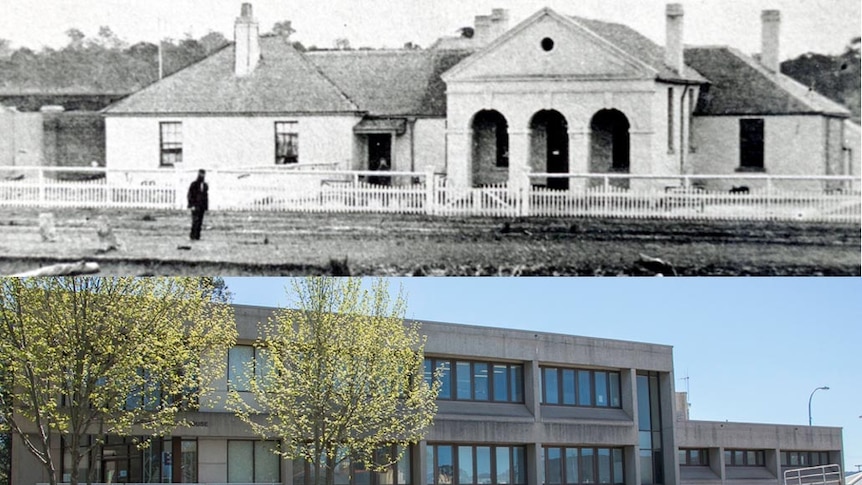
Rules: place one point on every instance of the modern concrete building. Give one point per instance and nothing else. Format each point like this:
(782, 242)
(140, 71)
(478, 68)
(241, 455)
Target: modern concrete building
(516, 408)
(554, 94)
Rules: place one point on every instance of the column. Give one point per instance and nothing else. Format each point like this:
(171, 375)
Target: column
(629, 396)
(535, 465)
(641, 159)
(579, 155)
(458, 169)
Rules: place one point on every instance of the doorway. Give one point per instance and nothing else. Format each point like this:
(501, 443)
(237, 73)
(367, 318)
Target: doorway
(380, 157)
(550, 146)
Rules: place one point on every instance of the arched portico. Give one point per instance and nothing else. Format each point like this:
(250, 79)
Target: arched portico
(549, 146)
(610, 145)
(490, 148)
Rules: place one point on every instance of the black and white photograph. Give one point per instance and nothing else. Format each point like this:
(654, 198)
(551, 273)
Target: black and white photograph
(439, 138)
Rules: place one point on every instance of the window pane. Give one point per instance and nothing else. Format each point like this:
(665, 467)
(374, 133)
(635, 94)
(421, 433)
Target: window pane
(445, 469)
(728, 458)
(738, 457)
(240, 360)
(614, 386)
(682, 457)
(480, 382)
(604, 465)
(587, 467)
(695, 457)
(342, 473)
(240, 460)
(503, 471)
(517, 384)
(445, 379)
(553, 471)
(404, 468)
(429, 460)
(519, 465)
(483, 464)
(643, 404)
(618, 466)
(784, 460)
(645, 440)
(462, 374)
(646, 467)
(584, 386)
(568, 386)
(601, 388)
(465, 464)
(551, 391)
(266, 462)
(501, 382)
(429, 372)
(572, 465)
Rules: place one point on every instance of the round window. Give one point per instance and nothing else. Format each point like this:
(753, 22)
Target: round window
(547, 44)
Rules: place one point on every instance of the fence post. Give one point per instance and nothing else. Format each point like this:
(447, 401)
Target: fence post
(525, 189)
(769, 197)
(430, 192)
(40, 179)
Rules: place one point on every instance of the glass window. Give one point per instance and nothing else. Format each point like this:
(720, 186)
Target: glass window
(646, 466)
(568, 386)
(189, 460)
(446, 379)
(553, 471)
(614, 385)
(462, 374)
(483, 465)
(551, 386)
(618, 465)
(584, 386)
(588, 474)
(604, 465)
(517, 383)
(519, 465)
(501, 382)
(572, 465)
(286, 142)
(240, 461)
(601, 388)
(404, 468)
(503, 468)
(445, 468)
(695, 457)
(465, 464)
(480, 381)
(266, 462)
(170, 143)
(240, 363)
(670, 135)
(429, 460)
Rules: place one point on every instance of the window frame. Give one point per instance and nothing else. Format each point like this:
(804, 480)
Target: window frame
(257, 359)
(580, 457)
(561, 372)
(433, 467)
(744, 161)
(254, 450)
(290, 131)
(670, 121)
(167, 148)
(513, 395)
(730, 455)
(685, 457)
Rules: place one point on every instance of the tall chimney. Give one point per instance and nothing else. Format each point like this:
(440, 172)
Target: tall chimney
(673, 37)
(499, 22)
(482, 30)
(246, 42)
(769, 50)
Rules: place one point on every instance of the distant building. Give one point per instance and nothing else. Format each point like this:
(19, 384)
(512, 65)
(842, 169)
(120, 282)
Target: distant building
(554, 93)
(516, 408)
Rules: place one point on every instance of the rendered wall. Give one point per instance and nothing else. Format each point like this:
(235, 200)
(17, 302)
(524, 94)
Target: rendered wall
(20, 138)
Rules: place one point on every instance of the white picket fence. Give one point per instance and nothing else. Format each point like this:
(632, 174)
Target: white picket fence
(700, 197)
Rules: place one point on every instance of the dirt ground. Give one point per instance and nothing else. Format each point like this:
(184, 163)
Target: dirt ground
(262, 243)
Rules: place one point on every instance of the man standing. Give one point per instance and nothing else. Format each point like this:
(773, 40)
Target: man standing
(198, 203)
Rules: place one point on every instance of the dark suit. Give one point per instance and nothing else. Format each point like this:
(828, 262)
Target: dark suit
(198, 203)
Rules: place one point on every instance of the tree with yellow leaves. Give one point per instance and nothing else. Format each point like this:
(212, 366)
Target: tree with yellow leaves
(86, 356)
(340, 378)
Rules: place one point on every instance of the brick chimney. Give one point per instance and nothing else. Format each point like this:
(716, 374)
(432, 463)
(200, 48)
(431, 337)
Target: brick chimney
(482, 29)
(673, 37)
(247, 42)
(770, 47)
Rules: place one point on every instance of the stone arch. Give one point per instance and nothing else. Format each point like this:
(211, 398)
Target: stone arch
(610, 146)
(490, 148)
(549, 146)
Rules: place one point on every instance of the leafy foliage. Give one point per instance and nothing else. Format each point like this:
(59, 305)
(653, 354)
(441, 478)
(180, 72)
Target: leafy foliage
(341, 376)
(100, 356)
(836, 77)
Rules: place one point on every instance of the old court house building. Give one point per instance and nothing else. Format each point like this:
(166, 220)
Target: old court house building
(516, 408)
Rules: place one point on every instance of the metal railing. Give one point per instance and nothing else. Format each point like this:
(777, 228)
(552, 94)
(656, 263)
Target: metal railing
(814, 475)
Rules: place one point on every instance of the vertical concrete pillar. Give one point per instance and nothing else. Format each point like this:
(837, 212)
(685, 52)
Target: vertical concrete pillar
(629, 396)
(667, 395)
(533, 388)
(772, 460)
(420, 471)
(519, 157)
(286, 470)
(722, 465)
(579, 155)
(458, 169)
(716, 464)
(535, 464)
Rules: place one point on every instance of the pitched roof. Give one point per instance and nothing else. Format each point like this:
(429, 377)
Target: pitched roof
(640, 47)
(283, 82)
(390, 82)
(741, 86)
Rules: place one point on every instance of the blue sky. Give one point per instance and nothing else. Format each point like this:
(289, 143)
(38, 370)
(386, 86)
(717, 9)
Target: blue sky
(807, 25)
(753, 349)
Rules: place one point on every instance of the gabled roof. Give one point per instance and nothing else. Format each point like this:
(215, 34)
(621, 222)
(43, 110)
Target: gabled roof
(390, 82)
(741, 86)
(636, 45)
(283, 82)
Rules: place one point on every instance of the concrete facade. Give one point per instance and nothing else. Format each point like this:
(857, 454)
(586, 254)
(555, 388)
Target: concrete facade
(531, 424)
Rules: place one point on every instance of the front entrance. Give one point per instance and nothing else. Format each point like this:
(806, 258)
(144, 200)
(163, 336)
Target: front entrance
(549, 146)
(380, 157)
(609, 146)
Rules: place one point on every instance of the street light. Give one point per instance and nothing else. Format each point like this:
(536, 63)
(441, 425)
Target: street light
(825, 388)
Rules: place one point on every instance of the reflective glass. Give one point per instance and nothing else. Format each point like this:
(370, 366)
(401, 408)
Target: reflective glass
(483, 465)
(445, 379)
(503, 469)
(465, 464)
(501, 382)
(240, 461)
(588, 474)
(572, 465)
(445, 470)
(568, 386)
(462, 373)
(266, 462)
(601, 388)
(614, 386)
(551, 390)
(517, 384)
(604, 465)
(646, 467)
(404, 468)
(480, 382)
(619, 477)
(584, 387)
(429, 460)
(552, 466)
(519, 465)
(643, 405)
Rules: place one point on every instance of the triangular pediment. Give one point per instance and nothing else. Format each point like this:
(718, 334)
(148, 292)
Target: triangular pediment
(549, 45)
